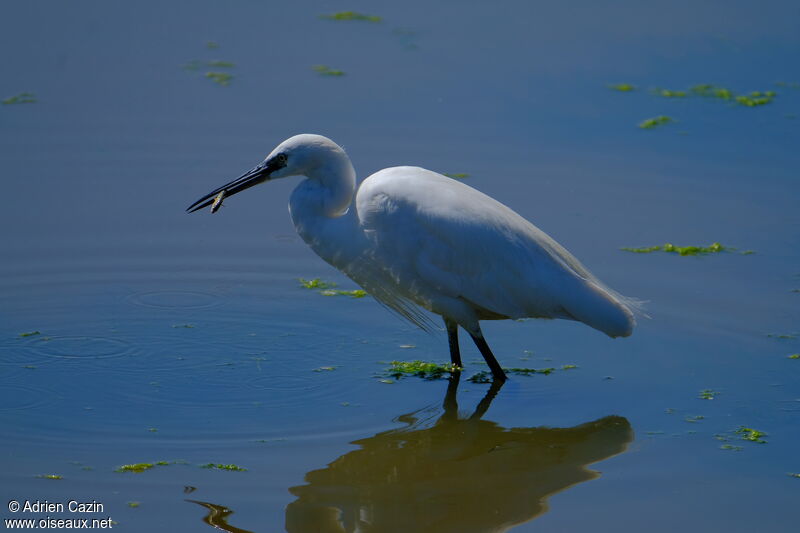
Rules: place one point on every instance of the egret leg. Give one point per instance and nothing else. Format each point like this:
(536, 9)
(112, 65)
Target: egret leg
(494, 366)
(452, 337)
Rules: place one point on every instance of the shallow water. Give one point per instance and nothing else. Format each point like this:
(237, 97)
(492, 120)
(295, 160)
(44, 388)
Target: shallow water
(187, 339)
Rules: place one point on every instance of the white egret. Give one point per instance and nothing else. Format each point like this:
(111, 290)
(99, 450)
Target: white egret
(415, 239)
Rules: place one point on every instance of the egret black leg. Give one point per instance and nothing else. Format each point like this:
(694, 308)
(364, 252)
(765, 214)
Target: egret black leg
(494, 366)
(452, 337)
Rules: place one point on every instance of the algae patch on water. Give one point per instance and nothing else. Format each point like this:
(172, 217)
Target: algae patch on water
(681, 250)
(750, 434)
(325, 70)
(707, 394)
(138, 468)
(623, 87)
(220, 466)
(21, 98)
(30, 333)
(655, 122)
(315, 283)
(794, 356)
(351, 15)
(420, 369)
(486, 377)
(220, 78)
(327, 288)
(50, 476)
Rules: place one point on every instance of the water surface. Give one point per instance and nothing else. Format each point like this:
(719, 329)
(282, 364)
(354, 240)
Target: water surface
(187, 339)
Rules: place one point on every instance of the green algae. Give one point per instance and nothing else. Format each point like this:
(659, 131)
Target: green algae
(325, 70)
(667, 93)
(794, 356)
(652, 123)
(755, 98)
(707, 394)
(30, 333)
(220, 466)
(569, 367)
(420, 369)
(50, 476)
(351, 15)
(794, 475)
(134, 505)
(694, 419)
(486, 376)
(750, 434)
(355, 293)
(315, 283)
(325, 369)
(731, 447)
(220, 78)
(136, 468)
(681, 250)
(623, 87)
(21, 98)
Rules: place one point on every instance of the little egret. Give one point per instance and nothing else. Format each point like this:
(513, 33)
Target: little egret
(417, 239)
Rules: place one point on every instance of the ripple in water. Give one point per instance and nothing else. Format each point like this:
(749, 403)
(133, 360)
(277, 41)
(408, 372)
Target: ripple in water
(19, 397)
(175, 299)
(80, 347)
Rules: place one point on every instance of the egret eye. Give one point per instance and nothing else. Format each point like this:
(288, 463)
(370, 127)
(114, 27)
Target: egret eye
(281, 158)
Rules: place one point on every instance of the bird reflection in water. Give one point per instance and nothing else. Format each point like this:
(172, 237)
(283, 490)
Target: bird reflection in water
(451, 474)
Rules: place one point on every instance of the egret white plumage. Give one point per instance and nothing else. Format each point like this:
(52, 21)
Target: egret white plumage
(415, 239)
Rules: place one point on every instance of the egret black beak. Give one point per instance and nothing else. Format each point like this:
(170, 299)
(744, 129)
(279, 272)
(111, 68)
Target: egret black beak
(257, 175)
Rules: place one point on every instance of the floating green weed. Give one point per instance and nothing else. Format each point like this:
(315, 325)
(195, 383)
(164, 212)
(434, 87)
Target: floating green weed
(219, 466)
(569, 367)
(710, 91)
(731, 447)
(315, 283)
(667, 93)
(708, 394)
(794, 356)
(486, 377)
(420, 369)
(795, 475)
(325, 369)
(21, 98)
(694, 419)
(325, 70)
(220, 78)
(30, 333)
(755, 98)
(351, 15)
(355, 293)
(623, 87)
(50, 476)
(133, 505)
(137, 468)
(456, 175)
(750, 434)
(681, 250)
(655, 122)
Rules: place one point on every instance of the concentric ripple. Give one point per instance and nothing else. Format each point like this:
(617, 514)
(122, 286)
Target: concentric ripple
(175, 299)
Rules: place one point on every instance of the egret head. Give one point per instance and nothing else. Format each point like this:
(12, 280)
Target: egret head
(302, 155)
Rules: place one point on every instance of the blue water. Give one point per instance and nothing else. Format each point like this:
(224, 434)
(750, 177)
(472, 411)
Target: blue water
(187, 338)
